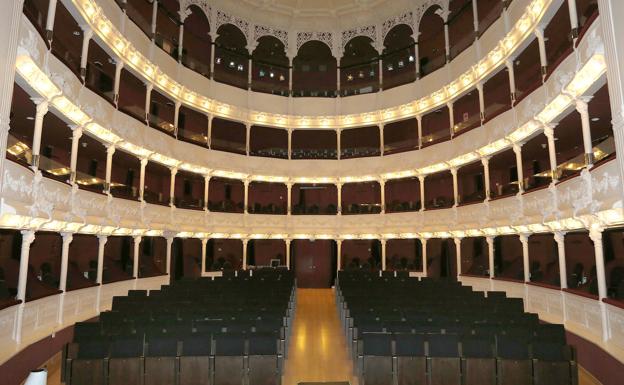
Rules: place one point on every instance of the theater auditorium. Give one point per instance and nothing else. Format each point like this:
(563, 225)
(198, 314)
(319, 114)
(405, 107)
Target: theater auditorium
(289, 192)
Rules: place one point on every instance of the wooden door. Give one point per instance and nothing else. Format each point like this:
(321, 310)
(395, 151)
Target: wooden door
(313, 263)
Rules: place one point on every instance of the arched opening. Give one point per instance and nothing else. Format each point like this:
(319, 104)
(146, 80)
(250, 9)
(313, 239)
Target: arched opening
(269, 69)
(314, 71)
(196, 42)
(399, 57)
(231, 57)
(431, 44)
(359, 67)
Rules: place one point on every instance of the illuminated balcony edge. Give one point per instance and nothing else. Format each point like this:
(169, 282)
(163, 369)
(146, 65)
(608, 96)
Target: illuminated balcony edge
(107, 32)
(602, 219)
(585, 77)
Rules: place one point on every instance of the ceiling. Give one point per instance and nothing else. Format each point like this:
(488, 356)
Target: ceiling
(315, 14)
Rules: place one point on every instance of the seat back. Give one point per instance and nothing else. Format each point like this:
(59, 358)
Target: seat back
(376, 358)
(229, 365)
(264, 363)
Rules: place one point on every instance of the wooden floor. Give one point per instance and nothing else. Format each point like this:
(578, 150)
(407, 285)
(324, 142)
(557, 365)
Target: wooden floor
(317, 349)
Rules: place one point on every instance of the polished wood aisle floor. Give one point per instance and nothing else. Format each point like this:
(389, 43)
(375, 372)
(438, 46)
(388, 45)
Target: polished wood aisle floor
(317, 349)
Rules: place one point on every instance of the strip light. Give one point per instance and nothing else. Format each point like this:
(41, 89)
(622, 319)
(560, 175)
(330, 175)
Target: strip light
(101, 25)
(584, 79)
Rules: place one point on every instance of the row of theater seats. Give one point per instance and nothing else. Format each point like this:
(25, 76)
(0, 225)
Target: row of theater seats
(228, 330)
(425, 331)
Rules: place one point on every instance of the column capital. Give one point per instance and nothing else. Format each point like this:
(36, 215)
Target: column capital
(582, 104)
(137, 238)
(76, 131)
(174, 170)
(489, 239)
(42, 106)
(204, 241)
(87, 31)
(28, 236)
(144, 161)
(102, 238)
(458, 240)
(421, 177)
(485, 161)
(110, 148)
(549, 130)
(517, 147)
(67, 236)
(453, 171)
(595, 234)
(559, 236)
(524, 237)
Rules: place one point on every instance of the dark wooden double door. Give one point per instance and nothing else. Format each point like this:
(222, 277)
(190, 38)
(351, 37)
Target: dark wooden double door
(314, 262)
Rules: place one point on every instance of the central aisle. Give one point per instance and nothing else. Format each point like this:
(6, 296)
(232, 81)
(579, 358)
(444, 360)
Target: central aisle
(317, 350)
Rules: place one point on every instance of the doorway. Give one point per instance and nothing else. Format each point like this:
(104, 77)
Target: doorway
(314, 262)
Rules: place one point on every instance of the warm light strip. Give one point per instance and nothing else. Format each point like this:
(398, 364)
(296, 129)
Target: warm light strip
(131, 57)
(587, 75)
(605, 219)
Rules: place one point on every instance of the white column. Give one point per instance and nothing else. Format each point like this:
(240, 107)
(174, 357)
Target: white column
(287, 241)
(136, 254)
(338, 76)
(118, 67)
(490, 243)
(421, 179)
(612, 31)
(180, 40)
(290, 75)
(339, 253)
(50, 19)
(246, 199)
(423, 242)
(524, 239)
(481, 101)
(206, 190)
(380, 69)
(416, 56)
(539, 32)
(110, 151)
(583, 109)
(419, 121)
(204, 242)
(154, 17)
(142, 179)
(28, 236)
(512, 79)
(552, 151)
(245, 241)
(458, 254)
(176, 117)
(213, 37)
(338, 144)
(596, 236)
(447, 42)
(449, 105)
(148, 97)
(381, 139)
(573, 18)
(102, 239)
(455, 187)
(247, 138)
(382, 185)
(563, 275)
(486, 176)
(290, 143)
(76, 135)
(174, 171)
(517, 148)
(10, 23)
(209, 141)
(42, 110)
(383, 254)
(67, 239)
(86, 38)
(339, 189)
(289, 198)
(475, 19)
(168, 262)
